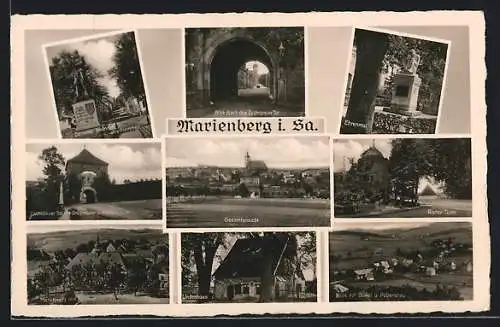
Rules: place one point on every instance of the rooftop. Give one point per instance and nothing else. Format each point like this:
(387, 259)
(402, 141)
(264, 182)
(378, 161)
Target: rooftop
(87, 158)
(247, 256)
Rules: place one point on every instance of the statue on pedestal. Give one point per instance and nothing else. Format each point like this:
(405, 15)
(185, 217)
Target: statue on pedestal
(80, 80)
(412, 62)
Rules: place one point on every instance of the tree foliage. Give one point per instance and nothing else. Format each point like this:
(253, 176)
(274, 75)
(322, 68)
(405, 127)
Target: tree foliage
(446, 160)
(64, 71)
(127, 70)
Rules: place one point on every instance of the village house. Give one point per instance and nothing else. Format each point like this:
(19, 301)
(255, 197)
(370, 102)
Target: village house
(364, 274)
(239, 275)
(430, 271)
(112, 256)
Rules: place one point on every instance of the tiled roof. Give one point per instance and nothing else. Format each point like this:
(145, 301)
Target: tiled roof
(246, 257)
(88, 158)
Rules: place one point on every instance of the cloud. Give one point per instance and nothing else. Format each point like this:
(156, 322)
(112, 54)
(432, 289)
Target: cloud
(99, 54)
(276, 152)
(133, 162)
(33, 166)
(343, 151)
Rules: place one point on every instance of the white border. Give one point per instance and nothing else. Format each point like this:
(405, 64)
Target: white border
(89, 38)
(318, 273)
(101, 222)
(346, 74)
(355, 223)
(116, 225)
(239, 228)
(347, 137)
(305, 58)
(406, 35)
(474, 20)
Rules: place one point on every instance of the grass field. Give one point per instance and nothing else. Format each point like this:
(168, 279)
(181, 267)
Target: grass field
(226, 212)
(124, 210)
(86, 298)
(61, 240)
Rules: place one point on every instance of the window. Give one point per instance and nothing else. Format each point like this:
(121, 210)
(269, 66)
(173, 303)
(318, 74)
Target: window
(237, 289)
(246, 290)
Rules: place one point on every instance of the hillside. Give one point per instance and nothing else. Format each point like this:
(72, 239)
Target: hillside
(54, 241)
(361, 243)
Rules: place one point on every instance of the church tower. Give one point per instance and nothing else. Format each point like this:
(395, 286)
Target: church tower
(247, 159)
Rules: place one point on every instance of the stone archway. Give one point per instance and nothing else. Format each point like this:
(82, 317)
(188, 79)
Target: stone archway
(224, 55)
(88, 195)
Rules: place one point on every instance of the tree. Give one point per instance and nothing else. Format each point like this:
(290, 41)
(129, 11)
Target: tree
(371, 48)
(104, 187)
(127, 70)
(64, 70)
(115, 278)
(451, 160)
(446, 160)
(200, 248)
(73, 187)
(409, 161)
(136, 276)
(53, 163)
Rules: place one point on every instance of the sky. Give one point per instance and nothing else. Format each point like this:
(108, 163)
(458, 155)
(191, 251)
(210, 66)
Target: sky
(98, 52)
(231, 238)
(277, 152)
(131, 161)
(345, 149)
(261, 68)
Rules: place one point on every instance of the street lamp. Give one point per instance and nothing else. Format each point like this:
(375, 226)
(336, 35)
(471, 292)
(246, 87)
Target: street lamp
(282, 78)
(281, 49)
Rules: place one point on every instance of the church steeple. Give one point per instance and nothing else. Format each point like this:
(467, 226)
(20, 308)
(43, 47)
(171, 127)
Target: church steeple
(247, 159)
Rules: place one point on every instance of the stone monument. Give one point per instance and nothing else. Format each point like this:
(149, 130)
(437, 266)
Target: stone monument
(406, 87)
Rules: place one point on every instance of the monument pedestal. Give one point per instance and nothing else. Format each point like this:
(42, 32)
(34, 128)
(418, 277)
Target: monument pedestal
(405, 94)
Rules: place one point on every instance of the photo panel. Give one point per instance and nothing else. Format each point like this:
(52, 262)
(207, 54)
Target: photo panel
(247, 181)
(97, 265)
(245, 72)
(98, 87)
(248, 267)
(395, 83)
(401, 261)
(93, 180)
(402, 177)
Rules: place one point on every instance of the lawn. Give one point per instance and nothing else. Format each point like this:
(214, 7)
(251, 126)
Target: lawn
(123, 210)
(86, 298)
(257, 212)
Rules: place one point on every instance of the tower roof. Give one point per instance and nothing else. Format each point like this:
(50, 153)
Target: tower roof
(372, 151)
(86, 157)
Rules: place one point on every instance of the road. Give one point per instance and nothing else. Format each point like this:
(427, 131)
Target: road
(249, 213)
(249, 103)
(430, 207)
(124, 210)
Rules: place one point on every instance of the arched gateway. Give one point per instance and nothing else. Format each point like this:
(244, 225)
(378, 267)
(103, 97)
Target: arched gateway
(86, 168)
(215, 56)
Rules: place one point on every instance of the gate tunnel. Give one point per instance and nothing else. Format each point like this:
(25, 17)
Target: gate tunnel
(228, 59)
